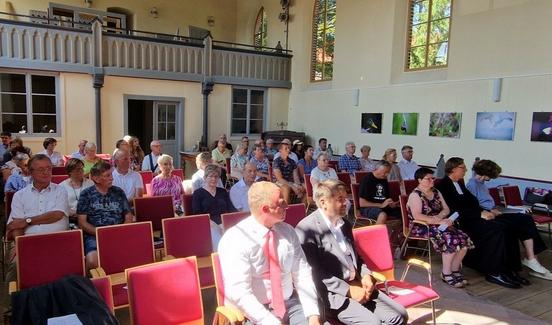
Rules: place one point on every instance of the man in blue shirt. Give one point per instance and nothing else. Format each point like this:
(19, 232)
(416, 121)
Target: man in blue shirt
(349, 162)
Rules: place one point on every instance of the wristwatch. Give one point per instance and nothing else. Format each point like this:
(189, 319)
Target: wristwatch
(28, 221)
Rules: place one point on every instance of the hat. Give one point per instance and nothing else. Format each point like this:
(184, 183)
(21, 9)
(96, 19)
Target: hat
(286, 141)
(297, 142)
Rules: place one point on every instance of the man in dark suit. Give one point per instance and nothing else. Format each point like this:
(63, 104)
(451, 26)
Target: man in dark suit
(342, 279)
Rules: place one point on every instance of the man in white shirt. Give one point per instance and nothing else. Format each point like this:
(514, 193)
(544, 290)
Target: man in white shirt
(125, 178)
(238, 192)
(266, 275)
(40, 207)
(80, 153)
(150, 161)
(407, 166)
(322, 148)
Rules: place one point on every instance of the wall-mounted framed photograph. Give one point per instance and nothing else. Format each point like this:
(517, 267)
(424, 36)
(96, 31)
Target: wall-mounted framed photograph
(495, 125)
(405, 123)
(371, 123)
(541, 129)
(445, 125)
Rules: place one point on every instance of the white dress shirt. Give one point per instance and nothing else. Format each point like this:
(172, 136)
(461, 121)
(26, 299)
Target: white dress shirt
(56, 158)
(129, 182)
(408, 168)
(243, 265)
(340, 239)
(29, 203)
(146, 164)
(238, 196)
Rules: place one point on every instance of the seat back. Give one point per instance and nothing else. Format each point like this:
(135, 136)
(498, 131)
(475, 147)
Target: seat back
(403, 199)
(154, 209)
(346, 179)
(165, 293)
(103, 286)
(57, 179)
(295, 213)
(232, 218)
(495, 194)
(124, 246)
(372, 243)
(333, 164)
(394, 190)
(410, 185)
(44, 258)
(57, 170)
(147, 177)
(359, 175)
(187, 204)
(228, 167)
(179, 173)
(219, 281)
(188, 236)
(308, 187)
(355, 188)
(270, 173)
(512, 195)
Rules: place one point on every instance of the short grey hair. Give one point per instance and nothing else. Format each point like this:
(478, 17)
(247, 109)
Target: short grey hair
(349, 143)
(20, 157)
(90, 145)
(328, 189)
(119, 153)
(383, 163)
(211, 169)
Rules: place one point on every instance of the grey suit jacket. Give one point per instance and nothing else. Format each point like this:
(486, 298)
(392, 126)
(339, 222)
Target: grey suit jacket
(327, 260)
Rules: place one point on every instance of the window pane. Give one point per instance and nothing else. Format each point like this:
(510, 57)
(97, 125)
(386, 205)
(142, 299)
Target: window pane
(239, 111)
(420, 12)
(14, 123)
(440, 9)
(437, 54)
(44, 104)
(13, 103)
(14, 83)
(418, 35)
(255, 126)
(161, 131)
(256, 112)
(44, 84)
(439, 31)
(171, 114)
(239, 96)
(238, 126)
(161, 113)
(257, 97)
(171, 131)
(417, 57)
(44, 123)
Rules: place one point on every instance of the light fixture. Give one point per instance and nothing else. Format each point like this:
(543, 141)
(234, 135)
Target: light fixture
(153, 12)
(211, 21)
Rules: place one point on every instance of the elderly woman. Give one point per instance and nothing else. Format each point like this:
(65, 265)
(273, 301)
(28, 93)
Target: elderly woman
(390, 156)
(212, 200)
(367, 164)
(11, 167)
(55, 157)
(75, 183)
(239, 159)
(168, 184)
(90, 158)
(426, 204)
(322, 171)
(521, 224)
(306, 164)
(496, 252)
(19, 180)
(198, 178)
(16, 143)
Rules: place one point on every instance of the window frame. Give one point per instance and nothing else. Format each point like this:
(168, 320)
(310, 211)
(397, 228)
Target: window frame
(314, 47)
(248, 111)
(29, 102)
(258, 31)
(426, 45)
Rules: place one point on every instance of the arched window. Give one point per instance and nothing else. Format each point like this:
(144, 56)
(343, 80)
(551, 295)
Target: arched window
(429, 30)
(260, 32)
(323, 40)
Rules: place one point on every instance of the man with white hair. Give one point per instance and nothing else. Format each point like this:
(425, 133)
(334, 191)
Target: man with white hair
(349, 162)
(150, 161)
(80, 153)
(238, 192)
(125, 178)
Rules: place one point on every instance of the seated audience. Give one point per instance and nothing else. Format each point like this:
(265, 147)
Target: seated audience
(75, 184)
(136, 152)
(343, 280)
(238, 192)
(286, 174)
(100, 205)
(125, 178)
(349, 162)
(390, 155)
(265, 272)
(367, 164)
(238, 160)
(270, 150)
(374, 199)
(166, 183)
(11, 167)
(291, 154)
(258, 142)
(298, 149)
(202, 160)
(322, 148)
(40, 207)
(307, 164)
(322, 171)
(407, 166)
(521, 224)
(261, 162)
(150, 161)
(16, 143)
(245, 142)
(212, 200)
(90, 158)
(5, 138)
(223, 138)
(19, 180)
(55, 157)
(496, 252)
(426, 204)
(79, 154)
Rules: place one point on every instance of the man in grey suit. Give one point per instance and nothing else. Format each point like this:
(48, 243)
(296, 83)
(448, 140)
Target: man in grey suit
(342, 279)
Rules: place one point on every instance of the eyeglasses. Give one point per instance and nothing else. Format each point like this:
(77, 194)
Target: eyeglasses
(42, 170)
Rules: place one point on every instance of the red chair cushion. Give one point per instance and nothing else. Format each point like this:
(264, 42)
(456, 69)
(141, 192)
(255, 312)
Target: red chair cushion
(540, 219)
(232, 219)
(120, 295)
(188, 236)
(418, 293)
(295, 213)
(154, 209)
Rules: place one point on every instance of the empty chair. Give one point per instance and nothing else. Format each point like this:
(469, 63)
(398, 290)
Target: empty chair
(147, 177)
(191, 236)
(154, 209)
(232, 218)
(57, 179)
(166, 292)
(295, 213)
(495, 194)
(512, 197)
(346, 179)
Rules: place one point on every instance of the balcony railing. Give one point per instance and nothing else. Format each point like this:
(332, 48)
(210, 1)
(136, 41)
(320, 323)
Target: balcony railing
(93, 48)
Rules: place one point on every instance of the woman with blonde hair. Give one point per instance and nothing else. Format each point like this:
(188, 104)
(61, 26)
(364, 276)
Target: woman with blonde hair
(90, 158)
(390, 156)
(166, 183)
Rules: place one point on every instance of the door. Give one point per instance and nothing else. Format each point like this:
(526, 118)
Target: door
(165, 128)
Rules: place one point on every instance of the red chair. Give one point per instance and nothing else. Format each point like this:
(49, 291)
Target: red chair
(359, 219)
(154, 209)
(373, 246)
(308, 187)
(105, 157)
(44, 258)
(179, 173)
(410, 185)
(167, 292)
(359, 175)
(394, 190)
(333, 164)
(270, 173)
(407, 227)
(495, 194)
(191, 236)
(187, 204)
(57, 179)
(346, 179)
(295, 213)
(223, 312)
(57, 170)
(121, 247)
(232, 218)
(103, 286)
(6, 243)
(147, 177)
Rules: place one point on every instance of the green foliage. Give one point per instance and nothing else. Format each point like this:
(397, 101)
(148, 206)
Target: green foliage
(324, 20)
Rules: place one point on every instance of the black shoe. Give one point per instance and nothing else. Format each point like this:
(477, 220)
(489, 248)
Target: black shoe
(515, 277)
(502, 281)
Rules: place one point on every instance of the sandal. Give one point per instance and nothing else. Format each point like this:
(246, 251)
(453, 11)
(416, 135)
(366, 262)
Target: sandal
(451, 280)
(460, 277)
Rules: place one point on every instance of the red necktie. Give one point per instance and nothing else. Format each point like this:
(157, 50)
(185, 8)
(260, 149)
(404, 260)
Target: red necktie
(275, 274)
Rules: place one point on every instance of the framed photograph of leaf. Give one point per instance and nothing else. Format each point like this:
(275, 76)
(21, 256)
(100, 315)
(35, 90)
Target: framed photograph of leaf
(495, 125)
(405, 123)
(445, 125)
(371, 123)
(541, 129)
